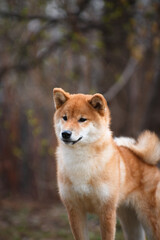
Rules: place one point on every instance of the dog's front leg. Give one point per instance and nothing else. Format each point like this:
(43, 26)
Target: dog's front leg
(108, 222)
(78, 223)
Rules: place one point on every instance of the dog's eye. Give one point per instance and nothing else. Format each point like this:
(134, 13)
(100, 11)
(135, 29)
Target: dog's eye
(82, 120)
(64, 118)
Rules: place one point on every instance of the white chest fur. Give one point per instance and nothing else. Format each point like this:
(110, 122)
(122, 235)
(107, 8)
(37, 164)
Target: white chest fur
(83, 169)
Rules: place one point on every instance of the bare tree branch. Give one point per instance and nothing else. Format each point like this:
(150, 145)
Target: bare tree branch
(123, 80)
(23, 66)
(23, 17)
(142, 43)
(83, 24)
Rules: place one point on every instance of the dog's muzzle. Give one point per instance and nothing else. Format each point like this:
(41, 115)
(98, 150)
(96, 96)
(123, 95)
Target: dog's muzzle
(66, 137)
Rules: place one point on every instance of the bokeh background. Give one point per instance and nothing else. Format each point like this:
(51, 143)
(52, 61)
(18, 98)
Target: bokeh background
(87, 46)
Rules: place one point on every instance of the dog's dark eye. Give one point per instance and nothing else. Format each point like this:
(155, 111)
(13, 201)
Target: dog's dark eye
(82, 120)
(64, 118)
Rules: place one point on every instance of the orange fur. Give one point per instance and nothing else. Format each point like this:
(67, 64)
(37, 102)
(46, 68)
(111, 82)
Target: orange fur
(99, 174)
(147, 147)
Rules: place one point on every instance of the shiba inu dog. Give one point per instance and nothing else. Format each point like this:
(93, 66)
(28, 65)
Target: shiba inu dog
(102, 175)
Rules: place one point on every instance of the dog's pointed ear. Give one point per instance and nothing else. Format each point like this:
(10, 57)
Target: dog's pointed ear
(60, 97)
(99, 103)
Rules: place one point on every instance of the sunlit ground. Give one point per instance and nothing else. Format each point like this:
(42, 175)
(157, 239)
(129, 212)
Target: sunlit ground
(21, 220)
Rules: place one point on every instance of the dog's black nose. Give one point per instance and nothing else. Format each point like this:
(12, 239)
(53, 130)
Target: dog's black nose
(66, 134)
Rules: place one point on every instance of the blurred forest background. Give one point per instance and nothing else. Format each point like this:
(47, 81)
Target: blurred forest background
(87, 46)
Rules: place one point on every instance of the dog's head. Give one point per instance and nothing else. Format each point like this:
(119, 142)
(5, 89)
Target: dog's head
(80, 118)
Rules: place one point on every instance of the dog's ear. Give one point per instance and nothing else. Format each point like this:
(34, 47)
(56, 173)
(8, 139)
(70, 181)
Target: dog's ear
(99, 103)
(60, 97)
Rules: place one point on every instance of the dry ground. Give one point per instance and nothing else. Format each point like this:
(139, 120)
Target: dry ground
(23, 220)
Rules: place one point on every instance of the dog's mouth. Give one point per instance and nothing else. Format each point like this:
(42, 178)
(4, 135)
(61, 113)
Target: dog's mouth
(67, 141)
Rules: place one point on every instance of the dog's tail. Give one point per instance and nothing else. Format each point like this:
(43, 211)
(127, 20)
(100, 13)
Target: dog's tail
(147, 146)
